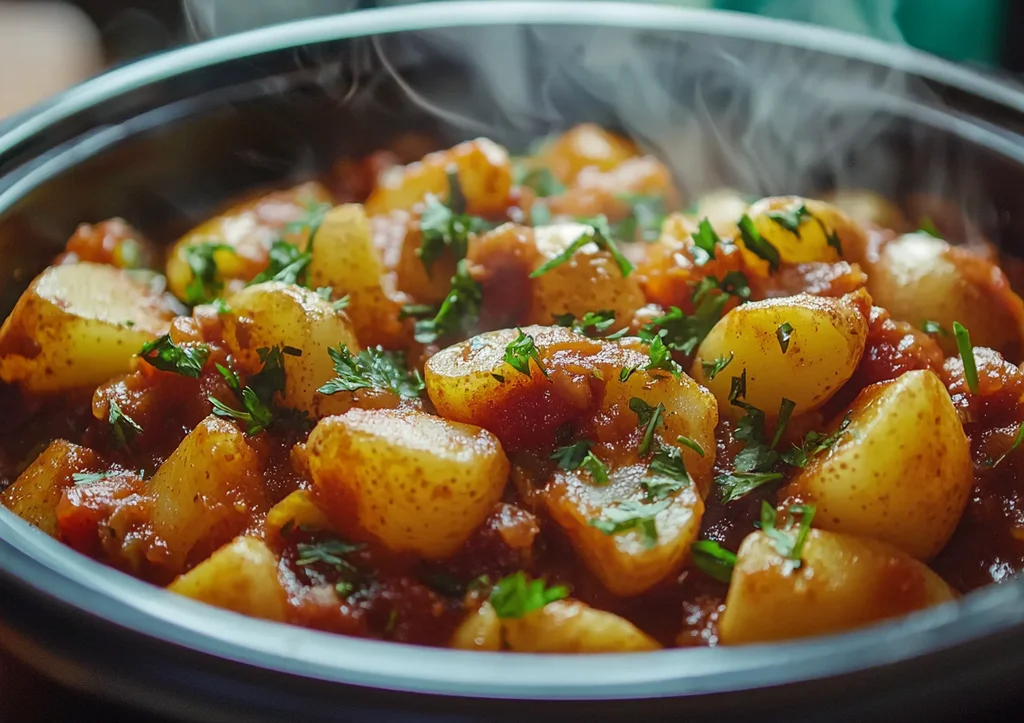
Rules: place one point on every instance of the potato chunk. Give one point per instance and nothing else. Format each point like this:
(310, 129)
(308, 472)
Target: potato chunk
(902, 471)
(78, 326)
(824, 348)
(917, 277)
(241, 576)
(585, 146)
(563, 626)
(34, 495)
(844, 582)
(345, 259)
(296, 509)
(205, 493)
(415, 482)
(274, 314)
(485, 176)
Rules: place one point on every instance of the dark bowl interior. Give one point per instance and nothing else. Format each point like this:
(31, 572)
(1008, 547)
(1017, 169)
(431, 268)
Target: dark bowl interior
(763, 106)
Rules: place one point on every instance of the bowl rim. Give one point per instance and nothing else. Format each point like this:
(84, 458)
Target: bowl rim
(50, 570)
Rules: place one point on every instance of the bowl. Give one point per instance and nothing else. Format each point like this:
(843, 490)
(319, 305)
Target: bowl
(761, 105)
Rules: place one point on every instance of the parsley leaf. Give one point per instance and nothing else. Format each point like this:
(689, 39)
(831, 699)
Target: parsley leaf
(739, 484)
(682, 332)
(372, 369)
(204, 284)
(88, 478)
(515, 596)
(598, 234)
(597, 469)
(1016, 443)
(783, 334)
(757, 245)
(786, 545)
(163, 354)
(713, 560)
(626, 372)
(661, 358)
(632, 515)
(934, 327)
(667, 474)
(926, 225)
(963, 344)
(541, 180)
(593, 323)
(459, 311)
(704, 240)
(124, 427)
(713, 367)
(648, 417)
(447, 226)
(520, 351)
(814, 443)
(287, 264)
(571, 456)
(327, 552)
(790, 219)
(646, 216)
(691, 443)
(258, 410)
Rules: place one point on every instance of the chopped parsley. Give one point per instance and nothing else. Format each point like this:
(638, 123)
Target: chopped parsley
(258, 409)
(1016, 443)
(498, 378)
(311, 222)
(691, 443)
(646, 216)
(597, 469)
(593, 323)
(963, 344)
(926, 225)
(715, 366)
(713, 560)
(790, 219)
(683, 332)
(648, 417)
(783, 334)
(459, 311)
(123, 427)
(541, 180)
(445, 226)
(163, 354)
(626, 372)
(632, 515)
(571, 456)
(785, 544)
(88, 478)
(288, 264)
(540, 214)
(934, 327)
(661, 358)
(516, 595)
(204, 284)
(704, 242)
(341, 304)
(372, 369)
(666, 474)
(520, 351)
(598, 234)
(327, 552)
(757, 244)
(734, 485)
(814, 443)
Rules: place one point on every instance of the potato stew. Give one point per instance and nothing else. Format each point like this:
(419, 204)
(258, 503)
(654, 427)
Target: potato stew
(538, 403)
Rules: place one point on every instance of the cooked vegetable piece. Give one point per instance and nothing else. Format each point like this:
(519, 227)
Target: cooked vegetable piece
(413, 481)
(845, 582)
(902, 471)
(34, 495)
(78, 326)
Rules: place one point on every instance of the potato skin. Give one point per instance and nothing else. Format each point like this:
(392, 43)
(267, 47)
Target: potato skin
(563, 626)
(824, 349)
(901, 473)
(275, 314)
(34, 495)
(415, 482)
(205, 493)
(844, 582)
(77, 326)
(242, 577)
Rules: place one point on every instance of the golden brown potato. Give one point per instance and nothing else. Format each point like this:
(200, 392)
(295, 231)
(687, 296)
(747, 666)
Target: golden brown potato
(34, 495)
(205, 493)
(249, 229)
(563, 626)
(584, 146)
(844, 582)
(867, 208)
(241, 576)
(78, 326)
(274, 314)
(824, 348)
(918, 277)
(485, 176)
(414, 481)
(298, 510)
(902, 471)
(344, 258)
(722, 208)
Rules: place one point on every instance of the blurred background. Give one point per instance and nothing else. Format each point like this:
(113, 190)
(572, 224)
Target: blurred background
(46, 46)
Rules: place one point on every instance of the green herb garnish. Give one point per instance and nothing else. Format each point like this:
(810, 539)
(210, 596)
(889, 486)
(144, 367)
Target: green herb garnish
(786, 545)
(163, 354)
(791, 219)
(757, 244)
(739, 484)
(372, 369)
(288, 264)
(520, 351)
(814, 443)
(123, 427)
(646, 216)
(459, 311)
(934, 327)
(927, 226)
(963, 344)
(704, 242)
(593, 323)
(598, 234)
(1016, 443)
(445, 226)
(715, 366)
(661, 358)
(626, 372)
(783, 334)
(713, 560)
(516, 595)
(632, 515)
(648, 417)
(204, 285)
(258, 409)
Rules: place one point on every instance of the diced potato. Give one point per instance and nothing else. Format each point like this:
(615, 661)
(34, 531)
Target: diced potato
(249, 228)
(275, 314)
(297, 509)
(563, 626)
(595, 192)
(485, 176)
(241, 576)
(78, 326)
(590, 280)
(623, 561)
(722, 208)
(416, 482)
(345, 259)
(918, 277)
(844, 582)
(902, 471)
(825, 346)
(584, 146)
(34, 495)
(205, 493)
(869, 209)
